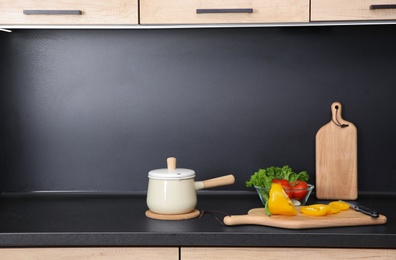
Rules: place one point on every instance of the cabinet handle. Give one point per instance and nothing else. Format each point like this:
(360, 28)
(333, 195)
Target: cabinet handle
(223, 11)
(374, 7)
(52, 12)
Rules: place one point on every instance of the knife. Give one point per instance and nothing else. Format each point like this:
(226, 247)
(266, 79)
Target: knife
(363, 209)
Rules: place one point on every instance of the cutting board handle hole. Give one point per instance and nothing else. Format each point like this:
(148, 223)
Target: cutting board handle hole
(335, 121)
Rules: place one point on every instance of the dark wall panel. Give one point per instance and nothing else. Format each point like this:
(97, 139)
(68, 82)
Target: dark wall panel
(98, 109)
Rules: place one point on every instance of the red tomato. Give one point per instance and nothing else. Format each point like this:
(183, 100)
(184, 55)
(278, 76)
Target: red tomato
(299, 189)
(286, 187)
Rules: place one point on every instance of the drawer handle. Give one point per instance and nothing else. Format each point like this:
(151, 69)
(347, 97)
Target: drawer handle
(225, 11)
(375, 7)
(52, 12)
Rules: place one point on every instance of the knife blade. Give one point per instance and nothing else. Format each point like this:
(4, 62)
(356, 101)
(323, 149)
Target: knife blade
(363, 209)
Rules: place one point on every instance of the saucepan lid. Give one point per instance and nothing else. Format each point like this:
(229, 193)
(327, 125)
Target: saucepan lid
(171, 173)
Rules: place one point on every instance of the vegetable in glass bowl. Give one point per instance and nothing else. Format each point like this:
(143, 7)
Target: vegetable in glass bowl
(294, 184)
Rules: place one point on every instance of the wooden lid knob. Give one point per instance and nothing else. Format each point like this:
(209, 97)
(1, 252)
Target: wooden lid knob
(171, 161)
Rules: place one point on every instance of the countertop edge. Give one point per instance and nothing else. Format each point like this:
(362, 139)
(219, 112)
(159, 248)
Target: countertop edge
(199, 240)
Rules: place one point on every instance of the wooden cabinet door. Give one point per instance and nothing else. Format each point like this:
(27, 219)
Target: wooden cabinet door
(105, 253)
(352, 10)
(235, 253)
(68, 12)
(223, 11)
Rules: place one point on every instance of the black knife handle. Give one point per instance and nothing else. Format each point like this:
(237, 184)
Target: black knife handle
(367, 211)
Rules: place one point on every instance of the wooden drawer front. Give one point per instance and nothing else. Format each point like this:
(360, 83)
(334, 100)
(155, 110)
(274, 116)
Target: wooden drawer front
(348, 10)
(68, 12)
(222, 11)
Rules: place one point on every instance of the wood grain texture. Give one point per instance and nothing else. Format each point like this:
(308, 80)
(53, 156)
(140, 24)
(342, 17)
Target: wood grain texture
(341, 10)
(349, 217)
(100, 12)
(184, 11)
(110, 253)
(269, 253)
(336, 158)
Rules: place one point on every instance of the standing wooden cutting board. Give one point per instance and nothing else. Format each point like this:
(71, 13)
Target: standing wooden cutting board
(336, 158)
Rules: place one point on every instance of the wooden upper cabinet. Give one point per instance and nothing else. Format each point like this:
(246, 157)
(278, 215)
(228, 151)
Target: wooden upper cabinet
(223, 11)
(68, 12)
(352, 10)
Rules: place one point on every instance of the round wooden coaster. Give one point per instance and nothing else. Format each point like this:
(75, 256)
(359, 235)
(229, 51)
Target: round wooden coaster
(190, 215)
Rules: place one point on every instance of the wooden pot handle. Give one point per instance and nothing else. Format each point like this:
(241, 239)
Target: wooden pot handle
(215, 182)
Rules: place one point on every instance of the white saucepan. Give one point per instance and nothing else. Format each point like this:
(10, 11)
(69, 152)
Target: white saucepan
(173, 190)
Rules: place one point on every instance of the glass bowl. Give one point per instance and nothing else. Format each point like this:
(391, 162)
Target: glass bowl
(298, 196)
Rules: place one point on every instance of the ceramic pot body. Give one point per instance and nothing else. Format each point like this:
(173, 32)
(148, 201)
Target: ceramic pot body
(171, 196)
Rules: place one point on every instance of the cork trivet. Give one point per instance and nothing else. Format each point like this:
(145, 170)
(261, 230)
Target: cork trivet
(190, 215)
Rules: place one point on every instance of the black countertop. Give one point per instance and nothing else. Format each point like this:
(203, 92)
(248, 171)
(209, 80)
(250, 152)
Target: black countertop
(119, 220)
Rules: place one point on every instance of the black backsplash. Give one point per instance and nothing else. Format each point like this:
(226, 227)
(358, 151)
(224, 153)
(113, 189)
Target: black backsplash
(97, 109)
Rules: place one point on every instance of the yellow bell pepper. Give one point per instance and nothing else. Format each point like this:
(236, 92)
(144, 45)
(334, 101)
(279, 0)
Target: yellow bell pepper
(339, 204)
(315, 210)
(279, 203)
(322, 209)
(333, 209)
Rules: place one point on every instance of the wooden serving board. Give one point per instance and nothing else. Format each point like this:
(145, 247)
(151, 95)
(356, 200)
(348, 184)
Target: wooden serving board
(336, 158)
(349, 217)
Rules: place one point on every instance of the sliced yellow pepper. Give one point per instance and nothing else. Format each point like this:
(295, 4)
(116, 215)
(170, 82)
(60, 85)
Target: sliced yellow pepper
(315, 209)
(333, 209)
(339, 204)
(279, 203)
(323, 209)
